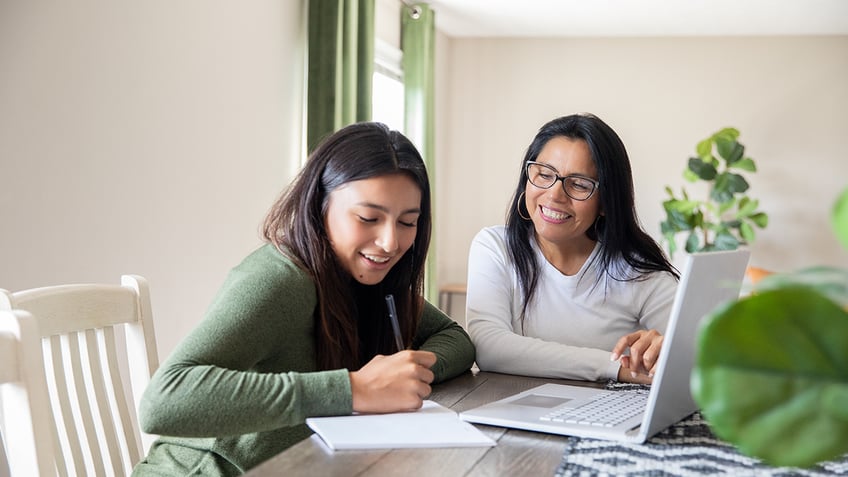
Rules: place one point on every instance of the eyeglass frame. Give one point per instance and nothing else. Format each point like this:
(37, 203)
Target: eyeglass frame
(595, 183)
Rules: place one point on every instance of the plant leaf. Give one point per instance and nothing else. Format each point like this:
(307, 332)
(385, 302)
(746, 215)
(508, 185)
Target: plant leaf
(692, 243)
(705, 149)
(746, 206)
(736, 183)
(703, 170)
(746, 164)
(725, 206)
(771, 376)
(731, 151)
(728, 133)
(672, 245)
(684, 206)
(839, 218)
(678, 220)
(760, 218)
(747, 232)
(829, 281)
(726, 241)
(721, 191)
(690, 176)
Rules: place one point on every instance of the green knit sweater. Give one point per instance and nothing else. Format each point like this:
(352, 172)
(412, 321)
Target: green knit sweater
(238, 389)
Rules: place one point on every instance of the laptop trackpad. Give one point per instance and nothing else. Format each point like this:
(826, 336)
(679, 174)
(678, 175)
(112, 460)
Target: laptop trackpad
(539, 400)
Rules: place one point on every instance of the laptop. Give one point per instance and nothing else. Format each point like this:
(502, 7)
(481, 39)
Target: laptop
(708, 279)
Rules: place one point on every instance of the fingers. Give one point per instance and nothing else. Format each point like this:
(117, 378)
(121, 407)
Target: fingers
(644, 350)
(626, 376)
(623, 343)
(650, 353)
(420, 362)
(651, 356)
(652, 371)
(424, 358)
(398, 382)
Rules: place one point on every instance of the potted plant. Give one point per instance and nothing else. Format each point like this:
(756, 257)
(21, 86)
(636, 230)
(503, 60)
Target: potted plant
(771, 369)
(724, 219)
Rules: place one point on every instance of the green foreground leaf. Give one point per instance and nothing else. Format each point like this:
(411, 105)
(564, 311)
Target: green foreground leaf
(771, 376)
(831, 282)
(840, 218)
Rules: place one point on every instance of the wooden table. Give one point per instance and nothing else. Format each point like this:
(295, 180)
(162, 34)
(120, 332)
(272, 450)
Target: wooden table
(517, 453)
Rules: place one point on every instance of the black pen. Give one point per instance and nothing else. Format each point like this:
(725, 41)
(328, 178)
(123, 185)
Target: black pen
(390, 302)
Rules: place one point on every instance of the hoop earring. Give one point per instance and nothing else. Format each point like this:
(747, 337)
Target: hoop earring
(518, 206)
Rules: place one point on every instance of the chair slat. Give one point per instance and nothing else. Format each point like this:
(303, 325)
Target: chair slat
(81, 406)
(106, 423)
(122, 406)
(58, 449)
(71, 431)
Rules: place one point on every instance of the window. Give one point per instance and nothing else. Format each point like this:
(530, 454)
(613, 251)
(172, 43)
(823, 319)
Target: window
(387, 90)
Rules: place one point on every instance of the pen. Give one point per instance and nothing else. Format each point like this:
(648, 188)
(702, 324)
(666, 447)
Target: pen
(390, 302)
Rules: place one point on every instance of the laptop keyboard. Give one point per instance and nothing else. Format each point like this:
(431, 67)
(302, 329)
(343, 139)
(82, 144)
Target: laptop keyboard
(606, 410)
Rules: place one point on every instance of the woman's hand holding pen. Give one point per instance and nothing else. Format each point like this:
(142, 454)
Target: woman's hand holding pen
(640, 364)
(397, 382)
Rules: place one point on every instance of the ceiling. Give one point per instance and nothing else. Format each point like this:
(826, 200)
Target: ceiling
(592, 18)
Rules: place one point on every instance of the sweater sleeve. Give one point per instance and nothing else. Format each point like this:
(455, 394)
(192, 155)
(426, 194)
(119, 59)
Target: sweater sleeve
(448, 340)
(249, 365)
(657, 301)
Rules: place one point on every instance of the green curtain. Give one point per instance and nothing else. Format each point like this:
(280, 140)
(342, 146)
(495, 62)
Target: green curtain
(418, 42)
(340, 66)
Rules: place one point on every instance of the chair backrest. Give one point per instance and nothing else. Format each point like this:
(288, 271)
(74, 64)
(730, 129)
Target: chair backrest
(99, 352)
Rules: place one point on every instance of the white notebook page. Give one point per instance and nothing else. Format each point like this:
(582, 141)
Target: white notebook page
(431, 426)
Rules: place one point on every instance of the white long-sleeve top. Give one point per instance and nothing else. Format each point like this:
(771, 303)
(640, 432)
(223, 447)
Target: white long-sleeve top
(572, 322)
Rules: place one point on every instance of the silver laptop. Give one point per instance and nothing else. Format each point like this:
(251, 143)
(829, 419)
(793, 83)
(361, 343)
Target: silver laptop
(707, 280)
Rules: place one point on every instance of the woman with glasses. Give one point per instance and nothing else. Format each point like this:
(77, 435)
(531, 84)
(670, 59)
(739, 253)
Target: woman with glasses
(571, 286)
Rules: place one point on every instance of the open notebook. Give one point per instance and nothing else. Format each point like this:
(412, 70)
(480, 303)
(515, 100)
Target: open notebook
(708, 279)
(431, 426)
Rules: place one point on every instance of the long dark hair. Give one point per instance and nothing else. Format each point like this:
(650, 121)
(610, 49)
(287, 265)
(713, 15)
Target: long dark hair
(618, 229)
(351, 320)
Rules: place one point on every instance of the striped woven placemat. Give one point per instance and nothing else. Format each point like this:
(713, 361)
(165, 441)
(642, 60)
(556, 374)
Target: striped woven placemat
(687, 448)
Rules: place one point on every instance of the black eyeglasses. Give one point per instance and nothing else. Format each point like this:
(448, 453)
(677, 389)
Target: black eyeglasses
(577, 187)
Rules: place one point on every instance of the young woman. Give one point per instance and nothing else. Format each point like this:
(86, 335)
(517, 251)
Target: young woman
(572, 281)
(301, 328)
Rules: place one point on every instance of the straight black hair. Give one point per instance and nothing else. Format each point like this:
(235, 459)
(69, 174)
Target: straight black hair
(345, 338)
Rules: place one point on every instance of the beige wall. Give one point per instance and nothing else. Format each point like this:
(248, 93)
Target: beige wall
(387, 21)
(144, 137)
(151, 137)
(788, 96)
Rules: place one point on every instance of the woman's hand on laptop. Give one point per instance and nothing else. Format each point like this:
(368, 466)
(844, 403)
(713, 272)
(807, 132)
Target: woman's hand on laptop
(639, 365)
(625, 376)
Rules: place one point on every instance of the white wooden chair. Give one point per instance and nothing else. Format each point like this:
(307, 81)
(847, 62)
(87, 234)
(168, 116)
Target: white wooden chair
(24, 399)
(99, 352)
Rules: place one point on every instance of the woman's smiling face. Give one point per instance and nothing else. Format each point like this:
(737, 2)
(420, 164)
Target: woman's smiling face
(557, 217)
(371, 223)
